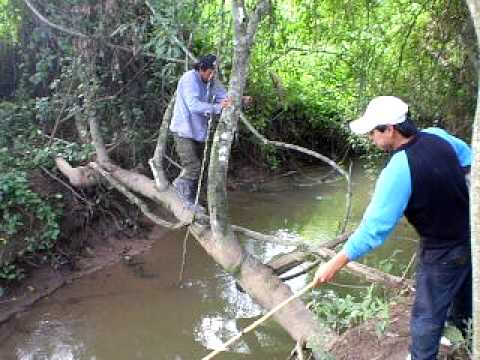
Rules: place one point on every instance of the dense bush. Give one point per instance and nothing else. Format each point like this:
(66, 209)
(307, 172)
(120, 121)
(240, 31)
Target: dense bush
(29, 226)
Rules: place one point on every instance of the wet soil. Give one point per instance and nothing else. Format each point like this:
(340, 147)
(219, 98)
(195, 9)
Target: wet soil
(365, 342)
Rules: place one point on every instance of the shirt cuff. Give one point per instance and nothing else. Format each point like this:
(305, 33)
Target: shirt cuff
(217, 109)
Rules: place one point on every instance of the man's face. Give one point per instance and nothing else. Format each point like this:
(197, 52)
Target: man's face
(207, 74)
(383, 140)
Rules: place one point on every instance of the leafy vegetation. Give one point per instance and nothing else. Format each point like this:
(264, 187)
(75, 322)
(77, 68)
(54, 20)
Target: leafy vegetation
(343, 312)
(29, 224)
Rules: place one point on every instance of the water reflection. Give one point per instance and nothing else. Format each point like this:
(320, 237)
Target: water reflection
(212, 332)
(52, 340)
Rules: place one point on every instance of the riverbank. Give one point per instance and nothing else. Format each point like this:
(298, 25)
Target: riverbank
(45, 280)
(357, 343)
(366, 342)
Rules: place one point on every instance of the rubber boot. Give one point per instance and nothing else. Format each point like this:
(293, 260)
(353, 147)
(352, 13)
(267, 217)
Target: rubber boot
(187, 189)
(183, 188)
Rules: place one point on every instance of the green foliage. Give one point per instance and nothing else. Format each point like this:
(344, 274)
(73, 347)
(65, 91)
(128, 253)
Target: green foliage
(333, 56)
(341, 313)
(11, 272)
(29, 225)
(389, 264)
(9, 20)
(23, 144)
(460, 344)
(314, 66)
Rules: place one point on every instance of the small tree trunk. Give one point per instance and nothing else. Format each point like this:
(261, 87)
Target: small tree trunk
(156, 163)
(257, 279)
(474, 6)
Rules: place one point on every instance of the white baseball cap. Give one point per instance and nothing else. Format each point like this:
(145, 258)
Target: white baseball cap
(382, 110)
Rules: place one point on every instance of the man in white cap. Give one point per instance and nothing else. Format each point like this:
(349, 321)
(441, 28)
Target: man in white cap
(425, 181)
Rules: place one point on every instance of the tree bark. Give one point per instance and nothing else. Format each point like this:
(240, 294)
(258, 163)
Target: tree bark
(474, 6)
(156, 163)
(256, 279)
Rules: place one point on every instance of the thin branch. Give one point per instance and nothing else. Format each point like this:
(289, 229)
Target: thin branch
(282, 240)
(49, 23)
(312, 153)
(368, 273)
(348, 201)
(83, 36)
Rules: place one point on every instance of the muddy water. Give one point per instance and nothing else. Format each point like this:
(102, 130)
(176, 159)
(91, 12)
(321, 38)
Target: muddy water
(137, 311)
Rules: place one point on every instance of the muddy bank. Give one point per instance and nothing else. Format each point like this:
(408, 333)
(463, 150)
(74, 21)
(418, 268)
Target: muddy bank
(365, 342)
(43, 281)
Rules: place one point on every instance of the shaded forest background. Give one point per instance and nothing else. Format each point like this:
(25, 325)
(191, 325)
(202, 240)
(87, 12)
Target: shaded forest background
(314, 66)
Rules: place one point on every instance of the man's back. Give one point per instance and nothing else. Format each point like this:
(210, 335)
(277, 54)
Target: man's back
(439, 204)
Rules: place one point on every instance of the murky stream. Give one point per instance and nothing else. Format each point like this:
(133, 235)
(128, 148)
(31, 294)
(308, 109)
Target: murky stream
(129, 312)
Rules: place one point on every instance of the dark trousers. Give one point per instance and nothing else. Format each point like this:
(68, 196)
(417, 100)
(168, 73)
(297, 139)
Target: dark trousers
(443, 288)
(190, 153)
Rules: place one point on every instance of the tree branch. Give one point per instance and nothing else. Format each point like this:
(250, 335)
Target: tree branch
(323, 250)
(97, 139)
(55, 26)
(81, 176)
(84, 36)
(262, 8)
(156, 163)
(135, 199)
(312, 153)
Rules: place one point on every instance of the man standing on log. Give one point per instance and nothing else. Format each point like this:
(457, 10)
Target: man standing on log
(199, 97)
(425, 180)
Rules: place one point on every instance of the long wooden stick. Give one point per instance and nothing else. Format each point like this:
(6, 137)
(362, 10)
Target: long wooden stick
(249, 328)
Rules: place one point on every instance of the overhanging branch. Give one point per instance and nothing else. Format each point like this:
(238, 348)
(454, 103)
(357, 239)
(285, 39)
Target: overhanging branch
(51, 24)
(301, 149)
(75, 33)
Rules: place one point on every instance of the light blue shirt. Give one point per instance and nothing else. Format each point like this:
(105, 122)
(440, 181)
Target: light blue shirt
(193, 106)
(390, 198)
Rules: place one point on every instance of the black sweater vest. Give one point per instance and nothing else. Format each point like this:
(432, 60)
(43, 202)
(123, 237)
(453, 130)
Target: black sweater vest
(439, 204)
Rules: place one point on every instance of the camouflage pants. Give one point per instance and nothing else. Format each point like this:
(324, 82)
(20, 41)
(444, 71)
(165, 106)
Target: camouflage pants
(190, 153)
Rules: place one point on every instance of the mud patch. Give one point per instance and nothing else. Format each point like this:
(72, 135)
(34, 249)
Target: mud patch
(365, 343)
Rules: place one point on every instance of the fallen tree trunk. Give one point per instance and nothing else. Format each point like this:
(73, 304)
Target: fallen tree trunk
(217, 238)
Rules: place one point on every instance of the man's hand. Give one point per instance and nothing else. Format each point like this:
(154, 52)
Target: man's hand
(247, 101)
(327, 271)
(225, 103)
